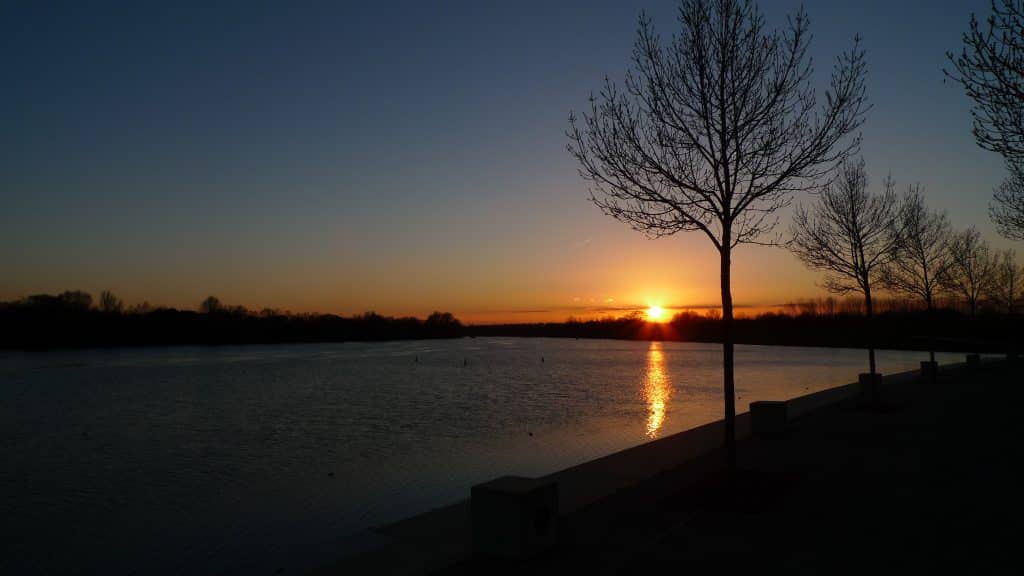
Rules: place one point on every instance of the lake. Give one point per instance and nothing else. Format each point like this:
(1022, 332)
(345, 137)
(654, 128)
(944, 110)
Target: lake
(248, 459)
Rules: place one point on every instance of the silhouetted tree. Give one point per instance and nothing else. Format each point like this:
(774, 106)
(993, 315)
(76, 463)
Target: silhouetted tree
(75, 299)
(143, 307)
(441, 319)
(1006, 286)
(109, 303)
(211, 305)
(973, 267)
(1007, 207)
(850, 234)
(442, 325)
(922, 260)
(714, 131)
(990, 67)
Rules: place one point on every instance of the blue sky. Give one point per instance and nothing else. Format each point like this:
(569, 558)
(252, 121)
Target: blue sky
(395, 156)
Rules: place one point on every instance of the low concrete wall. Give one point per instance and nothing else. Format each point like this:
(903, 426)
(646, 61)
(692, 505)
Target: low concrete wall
(588, 482)
(797, 407)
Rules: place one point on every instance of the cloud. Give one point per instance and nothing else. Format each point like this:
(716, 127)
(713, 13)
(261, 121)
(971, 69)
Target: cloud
(581, 244)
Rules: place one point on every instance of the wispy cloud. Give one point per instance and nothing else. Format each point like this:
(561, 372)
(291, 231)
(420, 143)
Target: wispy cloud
(581, 244)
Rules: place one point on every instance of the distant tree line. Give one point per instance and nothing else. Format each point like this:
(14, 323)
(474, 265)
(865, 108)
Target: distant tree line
(71, 319)
(897, 325)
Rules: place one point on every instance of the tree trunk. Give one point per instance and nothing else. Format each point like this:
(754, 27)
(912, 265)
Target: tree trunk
(871, 343)
(727, 357)
(871, 333)
(929, 310)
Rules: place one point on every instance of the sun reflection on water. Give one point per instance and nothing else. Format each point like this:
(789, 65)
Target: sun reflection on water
(657, 389)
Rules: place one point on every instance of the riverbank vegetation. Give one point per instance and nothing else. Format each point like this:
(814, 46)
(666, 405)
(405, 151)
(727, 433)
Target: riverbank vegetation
(72, 319)
(825, 322)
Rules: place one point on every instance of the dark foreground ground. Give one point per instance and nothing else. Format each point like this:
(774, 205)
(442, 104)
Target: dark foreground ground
(929, 482)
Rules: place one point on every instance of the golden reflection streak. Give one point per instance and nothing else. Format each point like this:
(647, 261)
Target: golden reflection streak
(657, 389)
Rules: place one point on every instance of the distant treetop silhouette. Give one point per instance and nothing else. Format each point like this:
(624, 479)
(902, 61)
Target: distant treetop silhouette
(211, 305)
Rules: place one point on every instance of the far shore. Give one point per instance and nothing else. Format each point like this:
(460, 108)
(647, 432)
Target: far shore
(71, 320)
(987, 334)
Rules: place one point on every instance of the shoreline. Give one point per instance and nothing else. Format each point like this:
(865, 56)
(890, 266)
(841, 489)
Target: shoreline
(961, 347)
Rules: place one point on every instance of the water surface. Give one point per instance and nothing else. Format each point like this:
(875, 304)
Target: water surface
(250, 459)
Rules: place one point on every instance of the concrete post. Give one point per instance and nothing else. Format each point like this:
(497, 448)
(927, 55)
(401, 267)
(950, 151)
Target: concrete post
(870, 391)
(929, 371)
(768, 418)
(513, 518)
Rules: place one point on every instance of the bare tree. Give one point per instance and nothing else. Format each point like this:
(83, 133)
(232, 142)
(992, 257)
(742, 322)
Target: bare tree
(990, 67)
(110, 303)
(1006, 286)
(850, 234)
(714, 131)
(1007, 207)
(922, 260)
(972, 272)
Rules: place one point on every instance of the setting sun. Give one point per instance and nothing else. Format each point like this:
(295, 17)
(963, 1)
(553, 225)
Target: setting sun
(655, 314)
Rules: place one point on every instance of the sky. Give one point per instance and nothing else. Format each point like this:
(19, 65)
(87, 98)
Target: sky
(401, 157)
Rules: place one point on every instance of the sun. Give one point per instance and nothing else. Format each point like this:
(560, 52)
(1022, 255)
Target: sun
(655, 314)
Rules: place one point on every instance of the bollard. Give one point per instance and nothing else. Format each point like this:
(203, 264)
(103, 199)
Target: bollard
(870, 392)
(513, 518)
(973, 361)
(768, 418)
(929, 371)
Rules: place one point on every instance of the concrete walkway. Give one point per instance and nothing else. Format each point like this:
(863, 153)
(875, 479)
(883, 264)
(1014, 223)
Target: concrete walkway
(926, 483)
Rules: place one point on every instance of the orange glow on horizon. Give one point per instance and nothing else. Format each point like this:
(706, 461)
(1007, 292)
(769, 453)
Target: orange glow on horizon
(656, 314)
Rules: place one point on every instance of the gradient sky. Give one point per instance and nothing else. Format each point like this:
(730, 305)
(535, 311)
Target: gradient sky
(396, 156)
